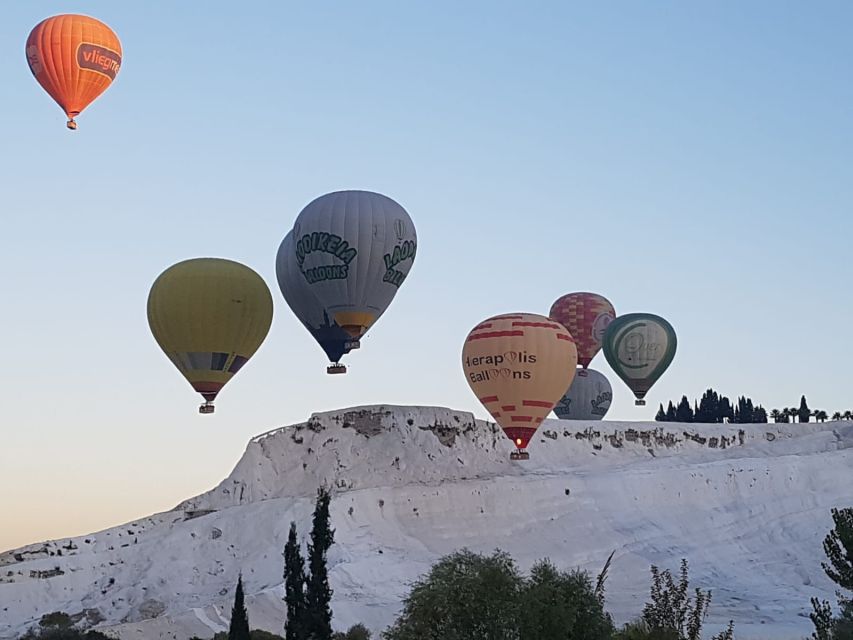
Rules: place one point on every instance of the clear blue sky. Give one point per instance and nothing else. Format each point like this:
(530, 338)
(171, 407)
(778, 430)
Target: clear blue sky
(687, 159)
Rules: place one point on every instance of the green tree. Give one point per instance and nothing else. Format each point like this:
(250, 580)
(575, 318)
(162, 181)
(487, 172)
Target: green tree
(294, 588)
(684, 412)
(561, 606)
(838, 547)
(59, 626)
(820, 415)
(318, 595)
(836, 415)
(672, 613)
(745, 412)
(355, 632)
(803, 413)
(670, 412)
(759, 415)
(709, 407)
(776, 415)
(55, 620)
(661, 414)
(260, 634)
(239, 627)
(725, 411)
(465, 596)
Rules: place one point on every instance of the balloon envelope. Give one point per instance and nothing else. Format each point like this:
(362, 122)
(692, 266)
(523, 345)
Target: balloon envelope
(519, 365)
(297, 293)
(586, 316)
(209, 316)
(74, 58)
(639, 348)
(353, 250)
(588, 398)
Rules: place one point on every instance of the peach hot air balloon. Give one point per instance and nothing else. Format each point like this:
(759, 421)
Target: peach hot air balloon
(74, 58)
(586, 316)
(519, 365)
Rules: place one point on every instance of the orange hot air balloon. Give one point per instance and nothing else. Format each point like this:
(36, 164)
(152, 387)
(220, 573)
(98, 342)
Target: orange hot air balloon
(519, 366)
(74, 58)
(586, 316)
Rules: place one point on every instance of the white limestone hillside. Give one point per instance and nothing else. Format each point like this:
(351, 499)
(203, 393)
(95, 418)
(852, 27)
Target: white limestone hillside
(748, 508)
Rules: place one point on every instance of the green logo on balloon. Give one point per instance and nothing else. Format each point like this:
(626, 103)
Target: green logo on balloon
(639, 347)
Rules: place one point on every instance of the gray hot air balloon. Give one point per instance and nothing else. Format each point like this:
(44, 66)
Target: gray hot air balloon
(350, 251)
(295, 289)
(588, 398)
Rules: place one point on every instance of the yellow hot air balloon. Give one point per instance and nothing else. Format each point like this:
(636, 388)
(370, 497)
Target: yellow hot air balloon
(519, 366)
(209, 316)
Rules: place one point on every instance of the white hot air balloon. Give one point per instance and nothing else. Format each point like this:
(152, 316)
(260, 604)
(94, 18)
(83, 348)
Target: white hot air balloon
(295, 289)
(351, 251)
(588, 398)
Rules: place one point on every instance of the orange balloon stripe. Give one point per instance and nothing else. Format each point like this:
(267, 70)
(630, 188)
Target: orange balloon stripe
(546, 325)
(495, 334)
(538, 403)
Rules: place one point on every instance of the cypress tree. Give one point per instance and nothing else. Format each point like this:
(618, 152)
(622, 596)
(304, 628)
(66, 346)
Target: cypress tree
(661, 414)
(318, 613)
(684, 412)
(745, 411)
(294, 588)
(670, 412)
(803, 413)
(704, 413)
(239, 627)
(724, 409)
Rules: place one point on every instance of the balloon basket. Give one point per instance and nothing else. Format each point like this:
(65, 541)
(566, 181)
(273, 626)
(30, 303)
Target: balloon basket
(206, 408)
(333, 369)
(71, 124)
(519, 455)
(640, 403)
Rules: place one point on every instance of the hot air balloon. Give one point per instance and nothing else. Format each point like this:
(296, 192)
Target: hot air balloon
(74, 58)
(639, 347)
(588, 398)
(209, 316)
(586, 316)
(352, 250)
(297, 293)
(519, 365)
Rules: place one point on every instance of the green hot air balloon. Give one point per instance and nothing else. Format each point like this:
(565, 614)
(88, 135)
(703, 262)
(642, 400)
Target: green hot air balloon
(639, 348)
